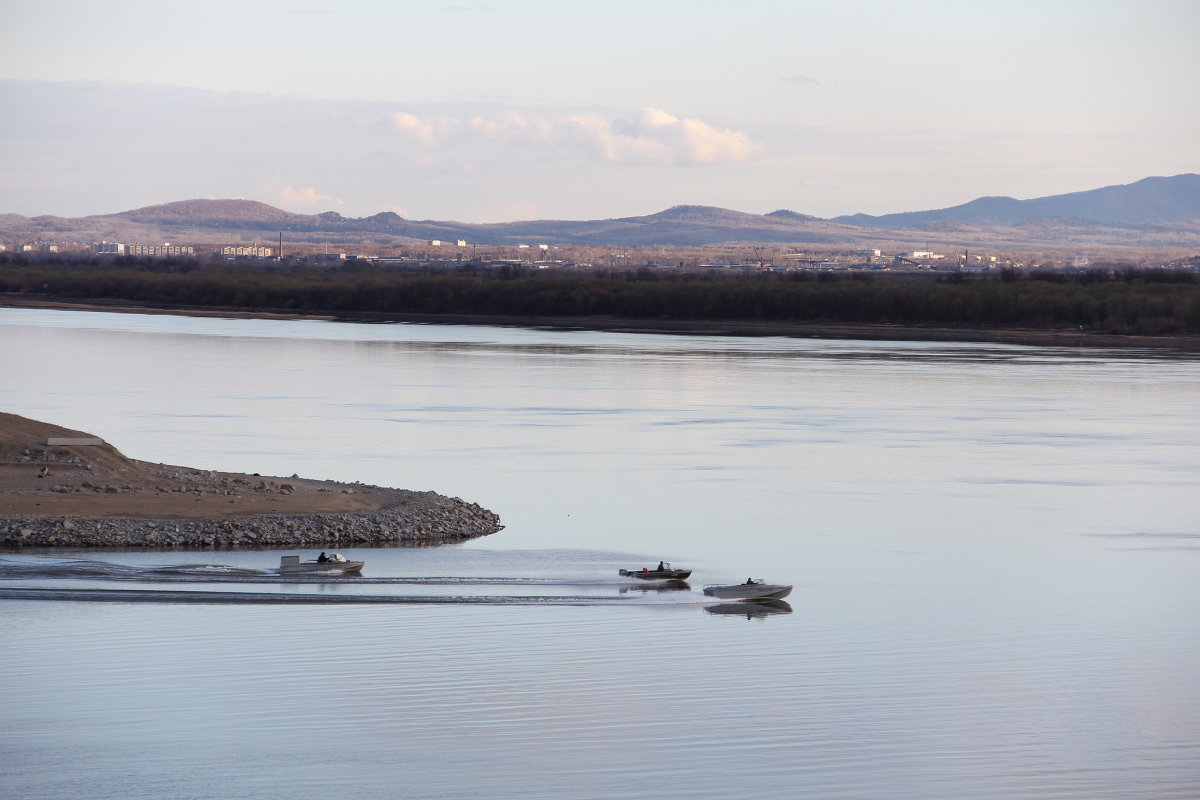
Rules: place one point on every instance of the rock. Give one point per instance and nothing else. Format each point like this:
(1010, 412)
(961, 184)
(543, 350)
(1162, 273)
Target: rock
(382, 516)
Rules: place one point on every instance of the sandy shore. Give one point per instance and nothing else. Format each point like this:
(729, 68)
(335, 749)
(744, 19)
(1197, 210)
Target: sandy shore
(881, 332)
(75, 489)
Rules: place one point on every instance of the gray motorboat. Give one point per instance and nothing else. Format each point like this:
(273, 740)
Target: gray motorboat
(752, 589)
(336, 563)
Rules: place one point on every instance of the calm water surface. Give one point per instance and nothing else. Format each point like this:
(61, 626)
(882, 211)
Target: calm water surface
(995, 553)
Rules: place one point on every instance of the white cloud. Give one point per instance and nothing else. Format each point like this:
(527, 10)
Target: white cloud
(427, 132)
(511, 124)
(701, 142)
(308, 197)
(653, 137)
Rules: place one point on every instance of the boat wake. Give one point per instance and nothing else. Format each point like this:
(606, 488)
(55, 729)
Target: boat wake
(82, 581)
(222, 573)
(106, 570)
(265, 598)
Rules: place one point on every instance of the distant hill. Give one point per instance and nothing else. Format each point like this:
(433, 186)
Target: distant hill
(783, 213)
(210, 214)
(1152, 213)
(214, 220)
(1148, 201)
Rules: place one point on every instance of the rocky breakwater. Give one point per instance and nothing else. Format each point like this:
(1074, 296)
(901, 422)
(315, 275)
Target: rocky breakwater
(63, 488)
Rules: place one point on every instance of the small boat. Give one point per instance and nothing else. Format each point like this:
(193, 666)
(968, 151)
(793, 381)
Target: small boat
(664, 572)
(337, 563)
(753, 589)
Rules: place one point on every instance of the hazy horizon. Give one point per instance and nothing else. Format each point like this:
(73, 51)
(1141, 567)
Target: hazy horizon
(522, 111)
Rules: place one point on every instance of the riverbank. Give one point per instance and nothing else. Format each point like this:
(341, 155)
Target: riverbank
(66, 488)
(879, 332)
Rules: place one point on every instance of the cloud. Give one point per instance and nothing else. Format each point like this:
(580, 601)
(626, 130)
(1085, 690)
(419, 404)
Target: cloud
(653, 137)
(800, 79)
(308, 197)
(427, 132)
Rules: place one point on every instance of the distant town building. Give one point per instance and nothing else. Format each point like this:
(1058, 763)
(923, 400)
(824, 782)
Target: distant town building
(109, 248)
(160, 250)
(797, 260)
(246, 251)
(462, 243)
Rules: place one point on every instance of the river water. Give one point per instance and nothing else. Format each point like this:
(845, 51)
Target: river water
(995, 552)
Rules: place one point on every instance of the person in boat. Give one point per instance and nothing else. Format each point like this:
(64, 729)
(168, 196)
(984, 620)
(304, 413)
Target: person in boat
(321, 559)
(660, 566)
(749, 582)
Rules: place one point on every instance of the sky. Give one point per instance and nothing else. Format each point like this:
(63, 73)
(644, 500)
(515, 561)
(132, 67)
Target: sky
(522, 109)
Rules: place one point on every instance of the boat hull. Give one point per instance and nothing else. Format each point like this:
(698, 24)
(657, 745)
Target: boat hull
(292, 565)
(315, 568)
(657, 574)
(749, 591)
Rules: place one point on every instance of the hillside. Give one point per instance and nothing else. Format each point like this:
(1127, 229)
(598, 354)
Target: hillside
(244, 220)
(1151, 213)
(1150, 201)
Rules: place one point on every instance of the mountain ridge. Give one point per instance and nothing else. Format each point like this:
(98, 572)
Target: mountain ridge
(1156, 211)
(1153, 200)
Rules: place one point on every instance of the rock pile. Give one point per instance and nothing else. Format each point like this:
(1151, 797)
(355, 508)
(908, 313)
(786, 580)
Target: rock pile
(414, 518)
(62, 488)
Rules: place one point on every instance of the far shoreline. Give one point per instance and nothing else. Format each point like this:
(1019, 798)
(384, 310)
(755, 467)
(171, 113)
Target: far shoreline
(870, 332)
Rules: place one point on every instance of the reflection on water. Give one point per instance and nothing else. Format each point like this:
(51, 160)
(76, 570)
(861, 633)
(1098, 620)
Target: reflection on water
(751, 609)
(663, 586)
(993, 551)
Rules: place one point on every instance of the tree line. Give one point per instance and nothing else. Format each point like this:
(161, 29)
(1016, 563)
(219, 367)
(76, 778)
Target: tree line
(1128, 301)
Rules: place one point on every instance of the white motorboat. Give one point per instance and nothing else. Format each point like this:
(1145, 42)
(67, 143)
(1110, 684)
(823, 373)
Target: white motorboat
(752, 589)
(335, 563)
